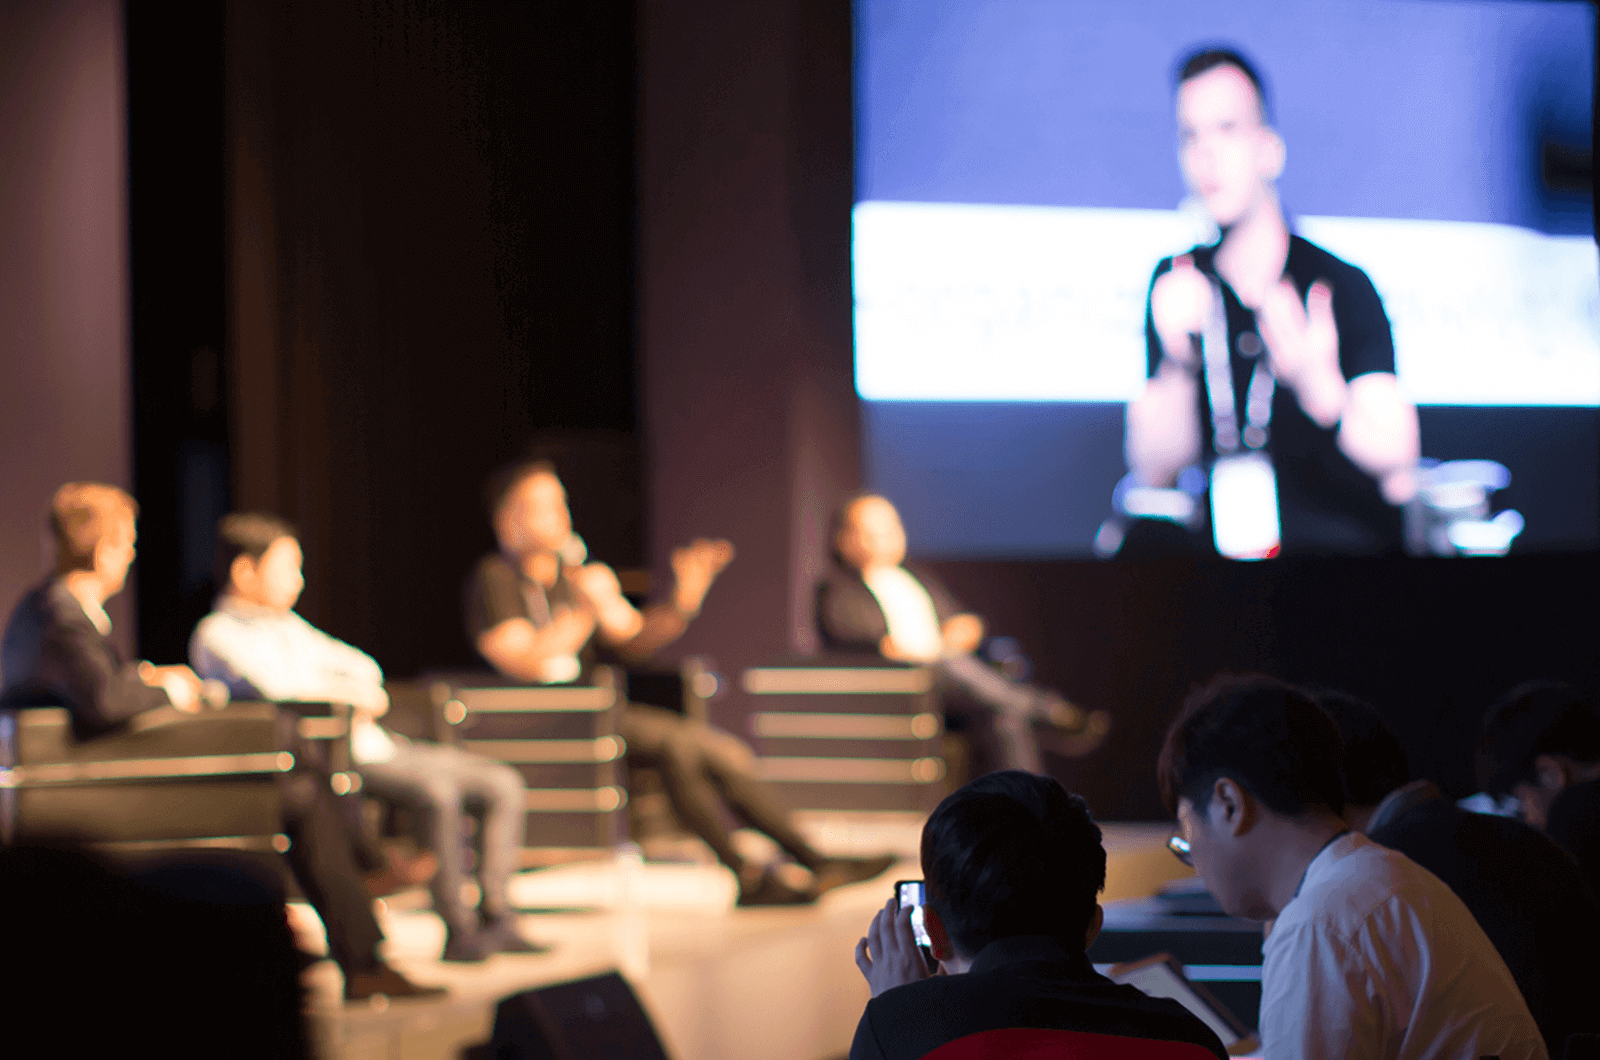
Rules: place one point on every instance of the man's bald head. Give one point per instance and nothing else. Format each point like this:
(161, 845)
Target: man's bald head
(869, 533)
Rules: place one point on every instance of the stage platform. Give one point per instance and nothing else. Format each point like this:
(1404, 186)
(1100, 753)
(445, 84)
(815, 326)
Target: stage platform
(719, 983)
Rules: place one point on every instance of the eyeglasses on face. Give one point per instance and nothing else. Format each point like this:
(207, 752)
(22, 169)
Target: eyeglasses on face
(1181, 850)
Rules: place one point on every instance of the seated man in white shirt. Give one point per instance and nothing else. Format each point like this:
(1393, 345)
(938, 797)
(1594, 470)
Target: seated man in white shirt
(1370, 955)
(872, 601)
(255, 643)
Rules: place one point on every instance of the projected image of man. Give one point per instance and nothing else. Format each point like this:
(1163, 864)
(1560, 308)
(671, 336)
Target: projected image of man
(1266, 351)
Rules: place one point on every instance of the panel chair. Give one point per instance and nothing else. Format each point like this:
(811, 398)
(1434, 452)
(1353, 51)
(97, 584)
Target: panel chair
(858, 734)
(169, 781)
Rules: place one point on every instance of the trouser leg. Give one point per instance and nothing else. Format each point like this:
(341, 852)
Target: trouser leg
(324, 864)
(1012, 706)
(495, 792)
(414, 779)
(697, 763)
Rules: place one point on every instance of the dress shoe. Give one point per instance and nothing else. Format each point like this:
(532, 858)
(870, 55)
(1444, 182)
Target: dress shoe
(384, 980)
(769, 890)
(837, 872)
(403, 871)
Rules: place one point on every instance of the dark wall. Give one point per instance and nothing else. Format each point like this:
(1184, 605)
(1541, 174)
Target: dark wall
(1430, 642)
(745, 348)
(430, 266)
(63, 271)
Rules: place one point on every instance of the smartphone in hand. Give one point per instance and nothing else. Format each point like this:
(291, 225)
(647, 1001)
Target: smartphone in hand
(914, 893)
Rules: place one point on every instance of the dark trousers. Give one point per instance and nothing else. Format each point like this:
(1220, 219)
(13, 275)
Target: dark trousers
(702, 768)
(995, 712)
(329, 853)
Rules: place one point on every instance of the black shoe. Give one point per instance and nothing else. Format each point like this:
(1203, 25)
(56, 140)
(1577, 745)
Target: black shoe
(769, 890)
(837, 872)
(384, 980)
(503, 935)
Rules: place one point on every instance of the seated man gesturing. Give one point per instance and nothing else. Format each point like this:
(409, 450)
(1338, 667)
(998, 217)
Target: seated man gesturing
(535, 618)
(255, 643)
(1012, 864)
(873, 602)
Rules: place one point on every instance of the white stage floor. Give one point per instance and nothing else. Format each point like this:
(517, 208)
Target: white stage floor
(719, 983)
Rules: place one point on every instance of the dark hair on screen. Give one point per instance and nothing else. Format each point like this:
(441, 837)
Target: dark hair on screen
(1535, 718)
(1374, 761)
(507, 477)
(1263, 734)
(1010, 854)
(1198, 62)
(247, 534)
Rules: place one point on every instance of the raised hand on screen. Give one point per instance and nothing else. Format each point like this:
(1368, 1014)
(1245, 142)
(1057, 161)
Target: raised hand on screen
(1179, 303)
(1302, 341)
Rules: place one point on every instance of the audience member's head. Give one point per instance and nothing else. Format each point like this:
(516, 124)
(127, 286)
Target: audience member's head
(868, 533)
(93, 527)
(1249, 766)
(528, 507)
(1011, 854)
(1374, 762)
(260, 560)
(1539, 739)
(187, 958)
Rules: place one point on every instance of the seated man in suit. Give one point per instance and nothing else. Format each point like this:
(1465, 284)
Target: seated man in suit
(1541, 744)
(1012, 864)
(1524, 891)
(255, 643)
(535, 619)
(57, 651)
(872, 601)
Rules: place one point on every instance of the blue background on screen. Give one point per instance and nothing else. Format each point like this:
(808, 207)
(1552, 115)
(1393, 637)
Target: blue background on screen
(1422, 109)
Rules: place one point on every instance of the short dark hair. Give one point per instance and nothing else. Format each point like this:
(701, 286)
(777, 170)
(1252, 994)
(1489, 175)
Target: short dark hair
(508, 477)
(1261, 733)
(247, 534)
(1209, 58)
(1374, 761)
(1535, 718)
(1010, 854)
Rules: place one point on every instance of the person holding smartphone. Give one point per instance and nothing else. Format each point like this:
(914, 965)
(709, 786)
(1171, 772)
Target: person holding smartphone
(1012, 867)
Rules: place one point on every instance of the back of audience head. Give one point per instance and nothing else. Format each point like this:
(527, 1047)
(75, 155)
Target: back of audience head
(1011, 854)
(1374, 761)
(1539, 739)
(186, 957)
(1246, 759)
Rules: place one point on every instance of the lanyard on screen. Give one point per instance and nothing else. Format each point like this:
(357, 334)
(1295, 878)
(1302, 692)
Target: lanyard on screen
(1225, 432)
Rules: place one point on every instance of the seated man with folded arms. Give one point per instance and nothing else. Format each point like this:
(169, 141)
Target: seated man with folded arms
(1370, 955)
(1523, 890)
(872, 601)
(1012, 865)
(1541, 744)
(535, 619)
(256, 644)
(57, 651)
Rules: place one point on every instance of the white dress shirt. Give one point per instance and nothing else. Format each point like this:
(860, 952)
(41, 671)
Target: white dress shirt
(1376, 959)
(908, 609)
(263, 654)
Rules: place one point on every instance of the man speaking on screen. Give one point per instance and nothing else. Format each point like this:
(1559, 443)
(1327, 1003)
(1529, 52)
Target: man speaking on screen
(1271, 361)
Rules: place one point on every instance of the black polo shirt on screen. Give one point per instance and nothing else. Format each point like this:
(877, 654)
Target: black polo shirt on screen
(1025, 981)
(1326, 504)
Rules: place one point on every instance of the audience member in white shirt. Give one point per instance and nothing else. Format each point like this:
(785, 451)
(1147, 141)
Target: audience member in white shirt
(1371, 956)
(872, 601)
(255, 643)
